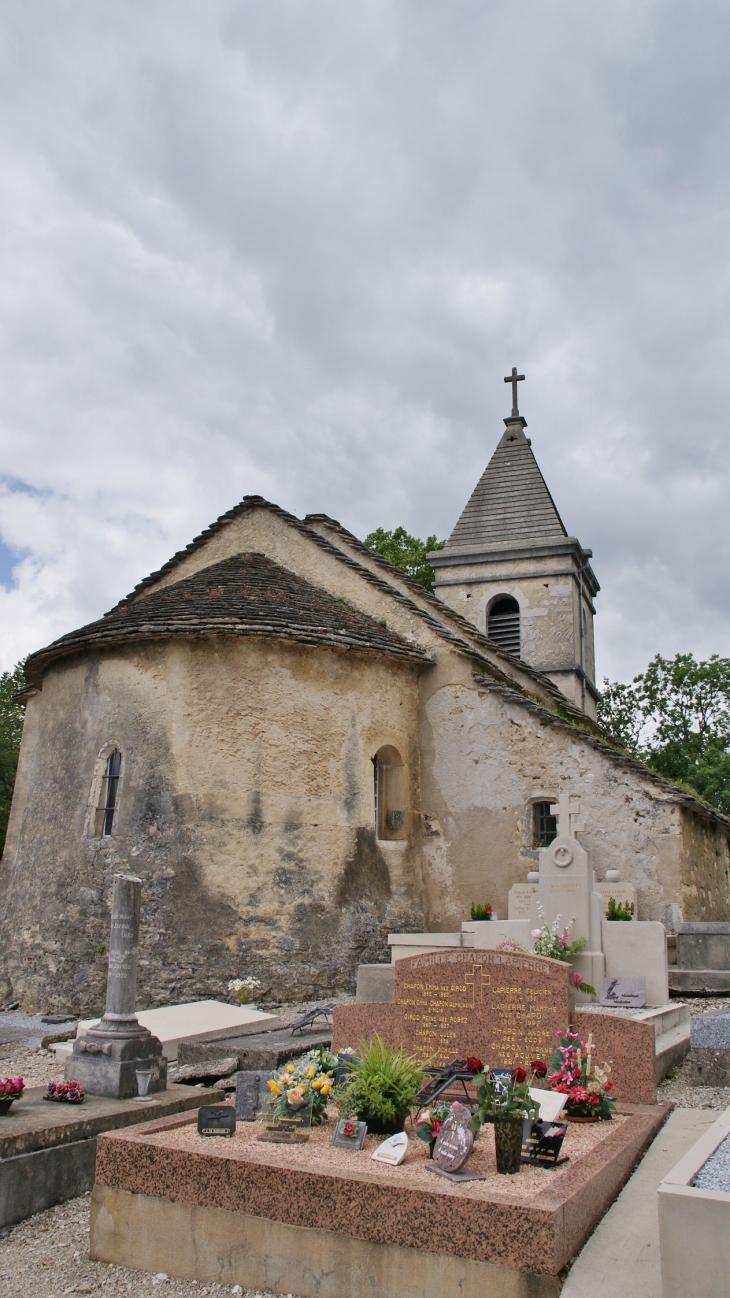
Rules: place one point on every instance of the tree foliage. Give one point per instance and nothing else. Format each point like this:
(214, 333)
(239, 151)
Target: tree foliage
(406, 552)
(675, 716)
(11, 726)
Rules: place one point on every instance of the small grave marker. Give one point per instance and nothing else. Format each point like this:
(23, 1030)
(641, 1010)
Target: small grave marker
(455, 1141)
(216, 1120)
(628, 991)
(542, 1141)
(350, 1134)
(393, 1150)
(248, 1099)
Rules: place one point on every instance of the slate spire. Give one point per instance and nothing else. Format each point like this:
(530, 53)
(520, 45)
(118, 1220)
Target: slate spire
(511, 504)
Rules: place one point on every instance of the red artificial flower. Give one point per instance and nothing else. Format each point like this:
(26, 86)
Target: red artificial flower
(577, 1094)
(519, 1075)
(539, 1068)
(594, 1099)
(474, 1065)
(348, 1129)
(435, 1128)
(608, 1086)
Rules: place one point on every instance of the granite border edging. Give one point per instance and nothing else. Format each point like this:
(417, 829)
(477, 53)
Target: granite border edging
(539, 1236)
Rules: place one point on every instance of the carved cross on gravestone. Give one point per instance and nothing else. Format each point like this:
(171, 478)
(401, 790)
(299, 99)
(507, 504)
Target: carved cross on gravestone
(567, 811)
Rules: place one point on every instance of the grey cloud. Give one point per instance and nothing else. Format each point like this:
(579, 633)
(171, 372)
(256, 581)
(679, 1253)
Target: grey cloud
(293, 248)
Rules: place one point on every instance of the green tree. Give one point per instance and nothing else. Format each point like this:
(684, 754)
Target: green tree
(11, 726)
(406, 552)
(675, 716)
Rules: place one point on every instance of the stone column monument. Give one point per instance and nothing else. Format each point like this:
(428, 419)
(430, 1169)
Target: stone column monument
(107, 1059)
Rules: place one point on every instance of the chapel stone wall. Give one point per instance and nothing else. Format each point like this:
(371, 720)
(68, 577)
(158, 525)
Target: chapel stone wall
(485, 760)
(246, 806)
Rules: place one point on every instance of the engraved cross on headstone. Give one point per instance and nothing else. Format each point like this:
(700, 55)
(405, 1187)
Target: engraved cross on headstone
(567, 811)
(514, 378)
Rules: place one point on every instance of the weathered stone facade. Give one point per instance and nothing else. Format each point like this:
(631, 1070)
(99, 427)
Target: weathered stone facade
(249, 686)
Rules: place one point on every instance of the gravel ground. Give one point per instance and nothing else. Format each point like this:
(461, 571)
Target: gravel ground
(715, 1173)
(47, 1256)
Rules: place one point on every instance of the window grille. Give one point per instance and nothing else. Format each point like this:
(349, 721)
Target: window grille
(109, 794)
(503, 625)
(544, 826)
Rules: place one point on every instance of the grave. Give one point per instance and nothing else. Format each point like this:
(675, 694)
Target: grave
(505, 1008)
(703, 959)
(192, 1022)
(564, 886)
(321, 1221)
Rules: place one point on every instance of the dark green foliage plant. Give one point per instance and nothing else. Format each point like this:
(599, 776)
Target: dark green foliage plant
(619, 909)
(11, 728)
(675, 717)
(382, 1080)
(406, 552)
(480, 912)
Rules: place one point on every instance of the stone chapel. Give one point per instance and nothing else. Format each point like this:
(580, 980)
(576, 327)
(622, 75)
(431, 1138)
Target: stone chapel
(298, 749)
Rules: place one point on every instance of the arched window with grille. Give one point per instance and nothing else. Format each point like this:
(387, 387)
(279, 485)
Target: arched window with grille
(503, 624)
(108, 795)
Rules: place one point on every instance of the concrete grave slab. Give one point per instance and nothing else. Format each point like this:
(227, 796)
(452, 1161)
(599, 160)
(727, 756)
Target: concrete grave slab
(694, 1224)
(710, 1032)
(193, 1021)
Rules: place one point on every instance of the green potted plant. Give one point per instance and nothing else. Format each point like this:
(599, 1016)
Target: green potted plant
(380, 1087)
(505, 1103)
(480, 912)
(619, 909)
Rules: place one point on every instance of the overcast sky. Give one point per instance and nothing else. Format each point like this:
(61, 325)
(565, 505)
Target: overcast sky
(293, 247)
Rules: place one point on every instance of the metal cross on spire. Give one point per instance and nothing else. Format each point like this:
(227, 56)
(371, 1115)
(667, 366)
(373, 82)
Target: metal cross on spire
(514, 378)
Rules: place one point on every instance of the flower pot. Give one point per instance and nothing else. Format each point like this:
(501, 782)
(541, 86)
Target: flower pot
(6, 1101)
(508, 1144)
(579, 1117)
(384, 1126)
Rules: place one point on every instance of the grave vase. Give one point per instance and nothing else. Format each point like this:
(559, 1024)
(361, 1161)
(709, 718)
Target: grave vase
(508, 1143)
(384, 1126)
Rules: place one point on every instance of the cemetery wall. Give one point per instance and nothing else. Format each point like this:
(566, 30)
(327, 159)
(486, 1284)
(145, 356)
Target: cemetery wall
(246, 807)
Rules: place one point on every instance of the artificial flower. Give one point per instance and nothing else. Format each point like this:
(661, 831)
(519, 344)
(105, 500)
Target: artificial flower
(295, 1095)
(519, 1075)
(474, 1065)
(274, 1087)
(539, 1068)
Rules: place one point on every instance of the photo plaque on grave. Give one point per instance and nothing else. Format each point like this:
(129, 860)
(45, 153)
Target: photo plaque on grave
(542, 1142)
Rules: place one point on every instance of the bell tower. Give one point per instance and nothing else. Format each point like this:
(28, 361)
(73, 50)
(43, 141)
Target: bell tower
(510, 567)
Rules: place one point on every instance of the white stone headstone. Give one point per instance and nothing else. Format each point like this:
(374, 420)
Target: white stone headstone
(566, 889)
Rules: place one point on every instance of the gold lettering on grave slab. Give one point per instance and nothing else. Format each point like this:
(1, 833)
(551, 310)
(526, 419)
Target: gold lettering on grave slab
(455, 1004)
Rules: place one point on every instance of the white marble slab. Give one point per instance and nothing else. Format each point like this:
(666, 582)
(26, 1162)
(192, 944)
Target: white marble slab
(194, 1021)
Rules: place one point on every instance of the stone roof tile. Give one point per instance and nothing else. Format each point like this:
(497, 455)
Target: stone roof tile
(248, 594)
(511, 504)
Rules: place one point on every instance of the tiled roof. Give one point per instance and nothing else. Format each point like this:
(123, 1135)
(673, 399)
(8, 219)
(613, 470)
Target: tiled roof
(248, 594)
(510, 505)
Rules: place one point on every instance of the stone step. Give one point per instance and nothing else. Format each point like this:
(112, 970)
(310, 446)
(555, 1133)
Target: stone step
(671, 1025)
(699, 982)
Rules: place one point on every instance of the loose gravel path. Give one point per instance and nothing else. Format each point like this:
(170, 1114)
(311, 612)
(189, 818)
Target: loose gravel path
(47, 1256)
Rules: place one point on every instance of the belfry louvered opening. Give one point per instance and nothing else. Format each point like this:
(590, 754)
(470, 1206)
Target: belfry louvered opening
(503, 624)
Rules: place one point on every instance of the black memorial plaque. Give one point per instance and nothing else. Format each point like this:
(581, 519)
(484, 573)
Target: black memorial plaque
(542, 1142)
(216, 1120)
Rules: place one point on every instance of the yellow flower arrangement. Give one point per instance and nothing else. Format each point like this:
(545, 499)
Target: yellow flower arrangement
(273, 1087)
(311, 1078)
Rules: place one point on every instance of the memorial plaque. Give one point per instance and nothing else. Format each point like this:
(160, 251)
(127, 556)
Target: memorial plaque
(503, 1007)
(248, 1100)
(393, 1150)
(622, 893)
(520, 900)
(455, 1141)
(289, 1125)
(629, 991)
(550, 1103)
(350, 1134)
(542, 1141)
(216, 1120)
